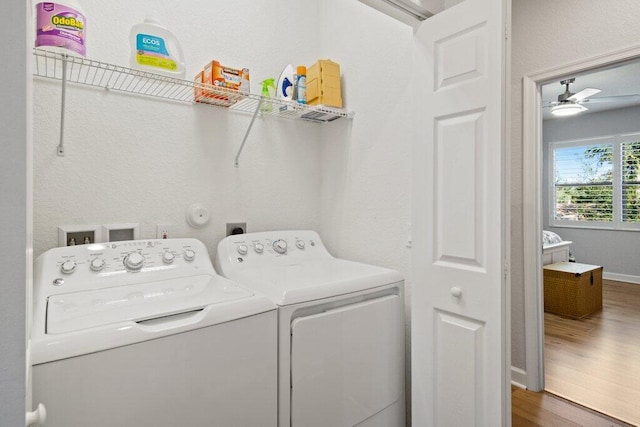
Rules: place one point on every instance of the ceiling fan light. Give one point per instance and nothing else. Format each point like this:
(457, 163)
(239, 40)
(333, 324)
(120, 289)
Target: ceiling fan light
(567, 109)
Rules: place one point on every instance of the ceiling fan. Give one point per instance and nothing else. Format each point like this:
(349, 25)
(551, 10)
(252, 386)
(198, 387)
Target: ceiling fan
(569, 103)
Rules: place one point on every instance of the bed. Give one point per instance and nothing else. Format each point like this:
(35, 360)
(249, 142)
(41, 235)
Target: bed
(554, 249)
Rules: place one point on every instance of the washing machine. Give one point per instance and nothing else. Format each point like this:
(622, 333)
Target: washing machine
(145, 333)
(340, 328)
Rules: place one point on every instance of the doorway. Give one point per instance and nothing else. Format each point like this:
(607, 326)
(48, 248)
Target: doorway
(533, 194)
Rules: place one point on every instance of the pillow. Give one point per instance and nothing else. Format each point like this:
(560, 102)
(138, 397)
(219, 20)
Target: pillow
(549, 237)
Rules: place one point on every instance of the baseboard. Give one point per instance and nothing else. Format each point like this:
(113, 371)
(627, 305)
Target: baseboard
(621, 277)
(518, 377)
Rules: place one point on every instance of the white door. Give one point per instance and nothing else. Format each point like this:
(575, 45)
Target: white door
(459, 323)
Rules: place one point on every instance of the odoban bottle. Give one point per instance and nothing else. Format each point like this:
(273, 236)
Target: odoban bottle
(61, 27)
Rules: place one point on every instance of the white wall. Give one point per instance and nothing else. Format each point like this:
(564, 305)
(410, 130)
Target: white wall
(14, 225)
(366, 167)
(615, 250)
(132, 159)
(547, 34)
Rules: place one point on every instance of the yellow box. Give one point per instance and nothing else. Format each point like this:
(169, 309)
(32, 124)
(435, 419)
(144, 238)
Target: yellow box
(323, 84)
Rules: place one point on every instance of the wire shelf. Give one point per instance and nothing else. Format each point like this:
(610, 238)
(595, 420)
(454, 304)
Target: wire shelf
(89, 72)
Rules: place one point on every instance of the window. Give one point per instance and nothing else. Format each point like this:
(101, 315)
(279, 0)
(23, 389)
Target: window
(631, 182)
(596, 182)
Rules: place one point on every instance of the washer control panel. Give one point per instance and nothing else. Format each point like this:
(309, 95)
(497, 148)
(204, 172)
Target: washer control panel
(116, 263)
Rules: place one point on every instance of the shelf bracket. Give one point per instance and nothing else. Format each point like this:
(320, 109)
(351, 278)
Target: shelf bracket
(236, 162)
(62, 105)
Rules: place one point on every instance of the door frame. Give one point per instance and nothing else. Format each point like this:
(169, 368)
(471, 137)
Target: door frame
(532, 201)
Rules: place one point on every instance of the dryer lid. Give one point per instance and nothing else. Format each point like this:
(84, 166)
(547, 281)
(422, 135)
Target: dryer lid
(312, 280)
(143, 301)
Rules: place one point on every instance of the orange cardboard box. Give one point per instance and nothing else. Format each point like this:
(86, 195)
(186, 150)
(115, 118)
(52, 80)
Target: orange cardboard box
(220, 76)
(226, 77)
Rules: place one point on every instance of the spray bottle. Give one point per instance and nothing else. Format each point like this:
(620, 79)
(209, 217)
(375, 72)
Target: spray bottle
(266, 84)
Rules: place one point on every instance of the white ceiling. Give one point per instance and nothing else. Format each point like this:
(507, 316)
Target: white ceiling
(619, 80)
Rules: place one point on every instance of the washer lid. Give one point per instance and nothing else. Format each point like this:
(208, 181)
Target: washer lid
(144, 301)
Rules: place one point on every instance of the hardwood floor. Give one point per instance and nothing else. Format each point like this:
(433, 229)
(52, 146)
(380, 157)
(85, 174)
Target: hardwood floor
(595, 361)
(544, 409)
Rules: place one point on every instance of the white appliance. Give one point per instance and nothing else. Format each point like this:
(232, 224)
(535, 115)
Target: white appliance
(340, 326)
(145, 333)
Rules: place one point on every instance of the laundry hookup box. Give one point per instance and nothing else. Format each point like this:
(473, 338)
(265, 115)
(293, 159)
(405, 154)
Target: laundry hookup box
(572, 289)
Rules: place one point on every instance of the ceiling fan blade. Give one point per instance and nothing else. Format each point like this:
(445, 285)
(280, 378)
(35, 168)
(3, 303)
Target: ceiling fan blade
(620, 98)
(583, 94)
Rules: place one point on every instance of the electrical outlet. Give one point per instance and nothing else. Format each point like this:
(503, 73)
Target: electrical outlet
(163, 231)
(236, 228)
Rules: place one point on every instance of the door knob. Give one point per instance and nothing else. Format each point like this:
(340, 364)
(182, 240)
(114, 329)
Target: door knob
(37, 417)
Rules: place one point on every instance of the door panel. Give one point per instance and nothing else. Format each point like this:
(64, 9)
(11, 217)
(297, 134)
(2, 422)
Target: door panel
(459, 324)
(458, 171)
(459, 363)
(461, 57)
(347, 366)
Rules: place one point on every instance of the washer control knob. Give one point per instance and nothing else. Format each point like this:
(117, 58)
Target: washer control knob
(134, 261)
(168, 257)
(189, 255)
(68, 267)
(280, 246)
(258, 247)
(300, 244)
(243, 249)
(97, 264)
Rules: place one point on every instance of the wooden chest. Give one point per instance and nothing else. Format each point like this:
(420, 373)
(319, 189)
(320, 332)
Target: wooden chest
(572, 289)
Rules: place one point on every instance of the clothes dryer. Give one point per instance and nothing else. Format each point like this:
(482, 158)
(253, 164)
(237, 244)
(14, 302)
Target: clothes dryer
(145, 333)
(340, 327)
